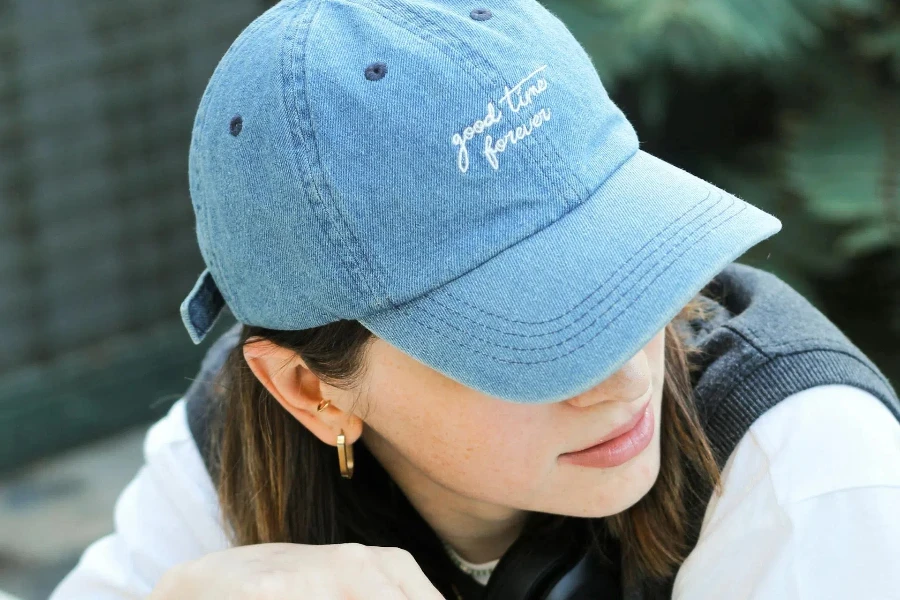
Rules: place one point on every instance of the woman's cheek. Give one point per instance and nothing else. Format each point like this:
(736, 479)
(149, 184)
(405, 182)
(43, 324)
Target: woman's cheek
(499, 460)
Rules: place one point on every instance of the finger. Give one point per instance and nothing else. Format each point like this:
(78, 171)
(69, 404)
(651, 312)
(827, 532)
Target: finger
(371, 582)
(361, 575)
(401, 568)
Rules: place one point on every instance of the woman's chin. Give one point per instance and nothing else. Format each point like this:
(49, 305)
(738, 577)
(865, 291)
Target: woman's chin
(600, 493)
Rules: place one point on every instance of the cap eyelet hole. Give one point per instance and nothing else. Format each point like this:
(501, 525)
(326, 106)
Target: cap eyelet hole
(480, 14)
(376, 71)
(237, 123)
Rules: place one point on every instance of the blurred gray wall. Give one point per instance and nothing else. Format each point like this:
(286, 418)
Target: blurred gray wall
(97, 247)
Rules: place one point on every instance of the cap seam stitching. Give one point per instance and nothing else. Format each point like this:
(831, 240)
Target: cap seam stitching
(412, 316)
(611, 306)
(499, 316)
(550, 359)
(591, 306)
(331, 211)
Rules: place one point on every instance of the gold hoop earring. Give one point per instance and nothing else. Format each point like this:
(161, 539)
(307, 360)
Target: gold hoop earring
(322, 405)
(345, 456)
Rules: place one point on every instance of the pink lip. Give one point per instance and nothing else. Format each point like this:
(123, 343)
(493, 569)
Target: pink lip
(619, 445)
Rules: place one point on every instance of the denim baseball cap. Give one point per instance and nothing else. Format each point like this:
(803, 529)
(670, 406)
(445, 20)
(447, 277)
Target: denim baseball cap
(453, 175)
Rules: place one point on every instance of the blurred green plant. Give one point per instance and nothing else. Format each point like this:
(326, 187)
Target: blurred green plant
(793, 105)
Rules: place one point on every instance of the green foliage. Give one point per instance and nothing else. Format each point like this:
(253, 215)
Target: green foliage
(843, 159)
(701, 36)
(883, 43)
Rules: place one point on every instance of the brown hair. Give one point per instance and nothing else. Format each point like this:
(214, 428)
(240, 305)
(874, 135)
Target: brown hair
(278, 483)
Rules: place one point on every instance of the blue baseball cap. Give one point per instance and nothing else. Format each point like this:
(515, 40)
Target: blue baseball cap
(453, 175)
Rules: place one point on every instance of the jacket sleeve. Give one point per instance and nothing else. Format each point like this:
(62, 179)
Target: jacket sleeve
(166, 515)
(808, 508)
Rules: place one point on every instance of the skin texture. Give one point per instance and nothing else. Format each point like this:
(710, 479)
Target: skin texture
(470, 463)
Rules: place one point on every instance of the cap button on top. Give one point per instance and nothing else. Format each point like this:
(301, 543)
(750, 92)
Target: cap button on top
(376, 71)
(236, 124)
(480, 14)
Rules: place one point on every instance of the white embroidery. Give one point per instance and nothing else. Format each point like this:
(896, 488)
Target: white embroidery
(462, 160)
(513, 136)
(530, 92)
(515, 98)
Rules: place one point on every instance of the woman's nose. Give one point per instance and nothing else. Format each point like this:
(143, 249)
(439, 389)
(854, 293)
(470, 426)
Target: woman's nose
(629, 383)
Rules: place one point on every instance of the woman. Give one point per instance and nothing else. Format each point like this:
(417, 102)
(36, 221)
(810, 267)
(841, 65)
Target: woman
(528, 340)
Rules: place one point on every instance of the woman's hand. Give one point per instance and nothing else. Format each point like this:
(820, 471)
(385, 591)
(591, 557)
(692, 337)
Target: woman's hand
(299, 572)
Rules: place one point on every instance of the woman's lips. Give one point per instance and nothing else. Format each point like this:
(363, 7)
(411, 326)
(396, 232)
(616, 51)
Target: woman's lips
(621, 445)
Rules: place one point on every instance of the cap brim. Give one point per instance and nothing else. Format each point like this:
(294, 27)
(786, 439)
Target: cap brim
(561, 310)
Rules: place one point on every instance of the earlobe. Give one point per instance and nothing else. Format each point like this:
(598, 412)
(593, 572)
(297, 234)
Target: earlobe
(328, 423)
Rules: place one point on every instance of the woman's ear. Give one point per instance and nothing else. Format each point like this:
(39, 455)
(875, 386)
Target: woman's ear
(300, 391)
